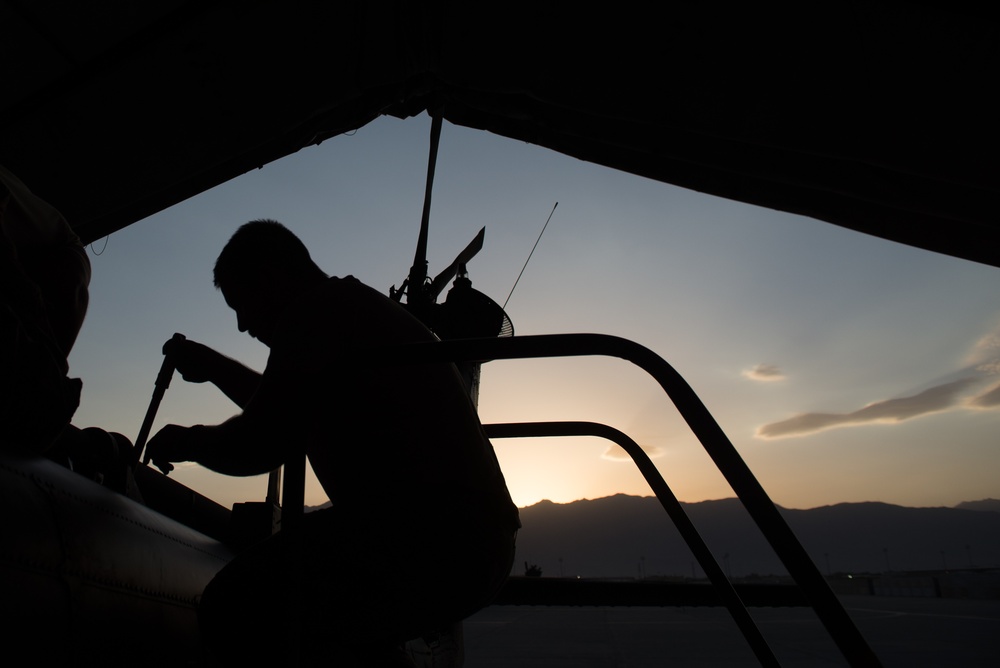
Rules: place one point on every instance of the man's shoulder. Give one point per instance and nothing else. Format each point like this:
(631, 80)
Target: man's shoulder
(344, 281)
(322, 313)
(348, 287)
(375, 313)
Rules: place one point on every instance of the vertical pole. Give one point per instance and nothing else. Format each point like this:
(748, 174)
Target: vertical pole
(292, 514)
(415, 297)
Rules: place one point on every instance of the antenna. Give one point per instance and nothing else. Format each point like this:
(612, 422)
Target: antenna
(530, 254)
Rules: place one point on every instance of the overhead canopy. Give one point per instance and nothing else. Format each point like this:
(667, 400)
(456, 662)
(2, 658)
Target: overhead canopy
(877, 116)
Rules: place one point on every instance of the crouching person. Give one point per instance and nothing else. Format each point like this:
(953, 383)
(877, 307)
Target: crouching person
(421, 529)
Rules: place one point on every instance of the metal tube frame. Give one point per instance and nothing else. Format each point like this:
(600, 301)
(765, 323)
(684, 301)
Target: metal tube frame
(669, 501)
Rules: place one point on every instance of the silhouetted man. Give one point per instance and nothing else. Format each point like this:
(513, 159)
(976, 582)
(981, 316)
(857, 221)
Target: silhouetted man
(421, 530)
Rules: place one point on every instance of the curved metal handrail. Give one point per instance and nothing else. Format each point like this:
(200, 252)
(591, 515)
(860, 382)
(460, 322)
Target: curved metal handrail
(668, 500)
(760, 507)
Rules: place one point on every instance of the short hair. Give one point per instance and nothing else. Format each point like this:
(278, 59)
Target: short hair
(259, 244)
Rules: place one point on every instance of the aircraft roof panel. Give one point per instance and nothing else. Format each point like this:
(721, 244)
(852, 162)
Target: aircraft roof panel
(879, 117)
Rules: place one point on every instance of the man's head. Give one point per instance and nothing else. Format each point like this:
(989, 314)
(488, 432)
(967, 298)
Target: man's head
(261, 268)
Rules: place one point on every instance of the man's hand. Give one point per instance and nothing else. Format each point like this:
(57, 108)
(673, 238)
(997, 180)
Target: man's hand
(173, 444)
(197, 363)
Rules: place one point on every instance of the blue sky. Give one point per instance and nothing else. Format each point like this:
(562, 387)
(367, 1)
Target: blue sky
(843, 367)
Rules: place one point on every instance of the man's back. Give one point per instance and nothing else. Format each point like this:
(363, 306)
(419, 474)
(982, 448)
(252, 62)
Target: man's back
(403, 433)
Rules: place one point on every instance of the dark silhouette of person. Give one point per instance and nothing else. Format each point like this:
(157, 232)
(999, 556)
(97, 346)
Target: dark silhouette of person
(421, 529)
(44, 279)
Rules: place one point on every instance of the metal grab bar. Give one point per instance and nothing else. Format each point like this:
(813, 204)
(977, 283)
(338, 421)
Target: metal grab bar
(706, 560)
(756, 501)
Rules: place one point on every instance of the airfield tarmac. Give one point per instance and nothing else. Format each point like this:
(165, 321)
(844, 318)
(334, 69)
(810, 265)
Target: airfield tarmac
(903, 632)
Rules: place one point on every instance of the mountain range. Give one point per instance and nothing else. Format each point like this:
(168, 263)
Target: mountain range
(632, 537)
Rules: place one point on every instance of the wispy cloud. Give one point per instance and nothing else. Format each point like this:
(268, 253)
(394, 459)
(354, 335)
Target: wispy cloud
(616, 453)
(960, 390)
(988, 399)
(764, 372)
(933, 400)
(986, 351)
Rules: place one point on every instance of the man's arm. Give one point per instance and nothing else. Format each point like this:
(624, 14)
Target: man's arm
(254, 442)
(198, 363)
(229, 448)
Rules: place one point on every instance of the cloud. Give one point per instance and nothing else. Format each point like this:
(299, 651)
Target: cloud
(986, 351)
(953, 391)
(988, 399)
(764, 372)
(990, 367)
(616, 453)
(933, 400)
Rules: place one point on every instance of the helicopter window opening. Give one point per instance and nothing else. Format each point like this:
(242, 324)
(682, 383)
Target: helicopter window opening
(714, 286)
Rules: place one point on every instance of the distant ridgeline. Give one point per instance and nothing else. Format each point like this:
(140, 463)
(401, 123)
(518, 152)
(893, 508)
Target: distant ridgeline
(632, 537)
